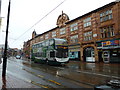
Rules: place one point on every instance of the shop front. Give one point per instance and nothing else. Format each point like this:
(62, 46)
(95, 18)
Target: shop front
(89, 55)
(109, 51)
(74, 52)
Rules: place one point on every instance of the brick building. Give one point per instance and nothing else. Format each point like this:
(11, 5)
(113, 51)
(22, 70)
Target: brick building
(92, 37)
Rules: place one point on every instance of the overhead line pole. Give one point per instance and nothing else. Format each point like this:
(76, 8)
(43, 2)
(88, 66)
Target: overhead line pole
(6, 43)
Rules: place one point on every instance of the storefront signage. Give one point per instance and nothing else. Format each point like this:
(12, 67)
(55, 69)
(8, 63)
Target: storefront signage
(111, 43)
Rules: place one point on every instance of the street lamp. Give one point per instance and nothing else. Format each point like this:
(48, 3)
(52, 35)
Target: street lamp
(6, 43)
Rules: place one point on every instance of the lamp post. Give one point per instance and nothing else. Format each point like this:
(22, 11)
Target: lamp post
(6, 43)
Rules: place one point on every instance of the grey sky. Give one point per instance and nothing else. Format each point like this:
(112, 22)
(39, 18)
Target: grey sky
(25, 13)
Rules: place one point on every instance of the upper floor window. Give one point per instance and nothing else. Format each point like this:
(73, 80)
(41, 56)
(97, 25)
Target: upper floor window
(107, 31)
(87, 22)
(54, 34)
(88, 36)
(41, 38)
(62, 31)
(107, 15)
(74, 27)
(74, 39)
(46, 36)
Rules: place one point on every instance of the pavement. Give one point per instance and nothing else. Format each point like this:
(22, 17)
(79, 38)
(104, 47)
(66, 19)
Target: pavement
(94, 68)
(13, 82)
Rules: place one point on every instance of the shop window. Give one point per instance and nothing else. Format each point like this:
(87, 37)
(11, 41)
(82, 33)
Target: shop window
(73, 55)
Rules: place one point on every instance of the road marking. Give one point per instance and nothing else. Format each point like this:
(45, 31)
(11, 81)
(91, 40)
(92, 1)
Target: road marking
(40, 76)
(54, 82)
(38, 84)
(98, 74)
(59, 68)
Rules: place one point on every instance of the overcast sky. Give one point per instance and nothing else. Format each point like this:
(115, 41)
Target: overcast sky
(25, 13)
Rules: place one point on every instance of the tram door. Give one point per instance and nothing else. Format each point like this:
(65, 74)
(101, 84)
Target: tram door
(106, 56)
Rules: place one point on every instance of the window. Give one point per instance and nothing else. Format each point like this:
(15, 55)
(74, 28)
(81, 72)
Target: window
(46, 36)
(88, 36)
(107, 32)
(52, 54)
(74, 39)
(51, 42)
(43, 44)
(62, 31)
(107, 15)
(54, 34)
(41, 38)
(47, 43)
(87, 22)
(74, 27)
(59, 42)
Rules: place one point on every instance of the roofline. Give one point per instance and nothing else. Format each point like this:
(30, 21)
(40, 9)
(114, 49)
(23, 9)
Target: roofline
(110, 4)
(46, 32)
(96, 10)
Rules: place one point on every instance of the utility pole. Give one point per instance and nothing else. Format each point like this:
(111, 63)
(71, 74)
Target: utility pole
(6, 43)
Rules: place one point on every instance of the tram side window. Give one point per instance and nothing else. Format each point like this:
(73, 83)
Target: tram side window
(52, 54)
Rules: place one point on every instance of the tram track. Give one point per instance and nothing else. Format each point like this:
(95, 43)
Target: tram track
(43, 78)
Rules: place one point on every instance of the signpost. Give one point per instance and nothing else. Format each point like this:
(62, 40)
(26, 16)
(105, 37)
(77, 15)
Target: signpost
(6, 44)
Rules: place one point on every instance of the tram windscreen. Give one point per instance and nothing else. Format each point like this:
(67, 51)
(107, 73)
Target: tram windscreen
(62, 52)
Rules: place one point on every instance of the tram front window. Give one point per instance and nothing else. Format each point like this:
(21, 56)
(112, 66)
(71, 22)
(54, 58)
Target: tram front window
(62, 54)
(52, 54)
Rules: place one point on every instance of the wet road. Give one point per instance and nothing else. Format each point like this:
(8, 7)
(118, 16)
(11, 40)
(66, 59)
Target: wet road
(21, 69)
(73, 75)
(85, 73)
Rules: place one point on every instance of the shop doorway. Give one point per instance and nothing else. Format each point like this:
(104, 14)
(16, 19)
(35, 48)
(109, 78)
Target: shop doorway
(89, 55)
(106, 56)
(111, 56)
(100, 56)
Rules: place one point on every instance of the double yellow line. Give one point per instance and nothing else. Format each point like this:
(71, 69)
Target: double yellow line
(41, 76)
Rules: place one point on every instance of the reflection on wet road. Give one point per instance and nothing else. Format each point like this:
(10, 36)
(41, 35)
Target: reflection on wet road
(73, 75)
(87, 73)
(23, 70)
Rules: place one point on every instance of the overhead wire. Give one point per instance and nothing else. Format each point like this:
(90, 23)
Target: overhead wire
(39, 20)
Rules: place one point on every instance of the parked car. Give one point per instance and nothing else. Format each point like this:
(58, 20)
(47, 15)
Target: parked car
(111, 85)
(18, 57)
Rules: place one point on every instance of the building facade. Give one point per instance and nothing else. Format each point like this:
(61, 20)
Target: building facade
(92, 37)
